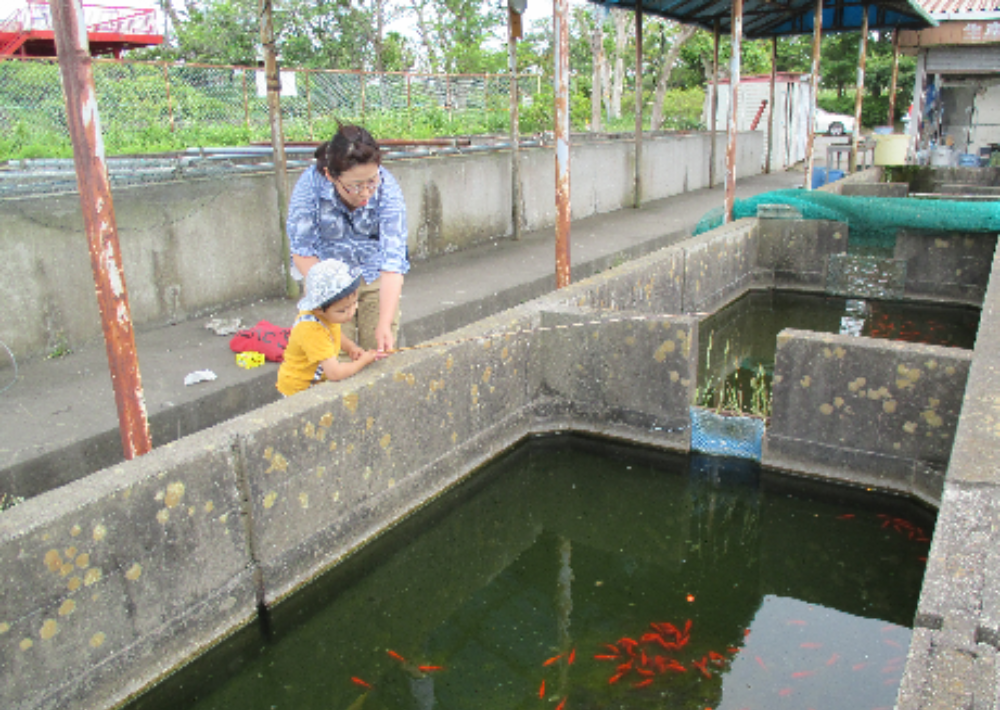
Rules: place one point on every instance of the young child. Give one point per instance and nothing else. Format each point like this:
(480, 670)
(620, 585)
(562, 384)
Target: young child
(315, 341)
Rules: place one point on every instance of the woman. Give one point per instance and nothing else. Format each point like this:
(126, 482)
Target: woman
(348, 207)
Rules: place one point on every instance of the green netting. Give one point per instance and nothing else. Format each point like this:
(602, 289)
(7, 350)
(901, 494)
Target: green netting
(872, 221)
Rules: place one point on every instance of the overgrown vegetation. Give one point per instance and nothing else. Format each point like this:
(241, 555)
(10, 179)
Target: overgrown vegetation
(167, 98)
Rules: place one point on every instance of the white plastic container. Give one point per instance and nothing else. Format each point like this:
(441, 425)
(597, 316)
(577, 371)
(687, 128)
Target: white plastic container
(943, 157)
(890, 149)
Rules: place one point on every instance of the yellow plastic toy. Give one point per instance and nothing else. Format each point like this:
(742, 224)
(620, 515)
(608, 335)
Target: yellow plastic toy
(249, 359)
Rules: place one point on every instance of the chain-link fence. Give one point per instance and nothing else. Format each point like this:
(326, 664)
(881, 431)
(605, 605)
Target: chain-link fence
(150, 106)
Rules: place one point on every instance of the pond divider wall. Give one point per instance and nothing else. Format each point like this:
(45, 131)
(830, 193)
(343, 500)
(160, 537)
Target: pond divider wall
(115, 579)
(878, 413)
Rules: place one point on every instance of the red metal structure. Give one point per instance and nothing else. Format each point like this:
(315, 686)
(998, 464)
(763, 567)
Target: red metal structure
(29, 32)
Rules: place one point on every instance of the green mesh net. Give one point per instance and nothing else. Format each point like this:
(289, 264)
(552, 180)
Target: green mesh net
(872, 221)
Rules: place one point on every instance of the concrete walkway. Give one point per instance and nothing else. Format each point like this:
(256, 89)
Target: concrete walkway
(58, 420)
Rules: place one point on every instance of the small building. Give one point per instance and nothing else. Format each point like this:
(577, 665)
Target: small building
(791, 113)
(28, 31)
(956, 97)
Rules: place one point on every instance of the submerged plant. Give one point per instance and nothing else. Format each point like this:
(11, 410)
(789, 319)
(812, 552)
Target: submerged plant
(726, 394)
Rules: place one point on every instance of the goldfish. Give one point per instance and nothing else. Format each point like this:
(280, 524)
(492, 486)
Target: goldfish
(616, 677)
(396, 656)
(810, 644)
(552, 660)
(358, 681)
(561, 705)
(569, 661)
(802, 674)
(430, 669)
(629, 644)
(541, 691)
(642, 683)
(702, 666)
(601, 657)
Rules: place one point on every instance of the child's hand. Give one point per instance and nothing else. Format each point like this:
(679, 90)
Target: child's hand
(365, 357)
(353, 351)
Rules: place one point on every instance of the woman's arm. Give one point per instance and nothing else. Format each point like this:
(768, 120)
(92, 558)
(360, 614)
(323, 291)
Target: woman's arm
(388, 301)
(303, 222)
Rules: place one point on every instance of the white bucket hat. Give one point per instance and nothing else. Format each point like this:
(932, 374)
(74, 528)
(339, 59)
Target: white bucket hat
(329, 280)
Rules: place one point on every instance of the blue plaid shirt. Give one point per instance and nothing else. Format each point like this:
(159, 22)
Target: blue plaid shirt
(372, 237)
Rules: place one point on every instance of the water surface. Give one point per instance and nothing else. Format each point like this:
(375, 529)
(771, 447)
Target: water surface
(784, 593)
(737, 343)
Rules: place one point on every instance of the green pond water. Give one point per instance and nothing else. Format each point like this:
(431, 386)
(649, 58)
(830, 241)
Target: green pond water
(765, 591)
(737, 343)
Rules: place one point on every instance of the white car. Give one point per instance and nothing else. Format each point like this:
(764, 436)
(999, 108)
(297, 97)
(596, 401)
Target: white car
(833, 124)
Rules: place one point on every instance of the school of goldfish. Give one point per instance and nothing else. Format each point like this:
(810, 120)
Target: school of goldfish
(638, 662)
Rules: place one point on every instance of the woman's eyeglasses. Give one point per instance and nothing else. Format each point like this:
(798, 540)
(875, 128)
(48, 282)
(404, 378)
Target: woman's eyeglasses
(356, 188)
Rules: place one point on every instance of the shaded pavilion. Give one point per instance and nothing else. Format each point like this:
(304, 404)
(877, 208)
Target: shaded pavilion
(759, 19)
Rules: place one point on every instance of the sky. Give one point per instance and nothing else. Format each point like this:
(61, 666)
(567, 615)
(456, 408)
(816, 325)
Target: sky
(542, 9)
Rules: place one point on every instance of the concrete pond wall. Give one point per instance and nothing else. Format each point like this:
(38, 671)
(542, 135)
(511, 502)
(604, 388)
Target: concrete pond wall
(115, 579)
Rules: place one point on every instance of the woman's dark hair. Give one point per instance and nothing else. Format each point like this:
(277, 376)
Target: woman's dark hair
(350, 146)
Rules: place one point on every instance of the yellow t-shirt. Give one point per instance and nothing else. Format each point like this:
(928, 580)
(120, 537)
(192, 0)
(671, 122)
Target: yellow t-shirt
(309, 344)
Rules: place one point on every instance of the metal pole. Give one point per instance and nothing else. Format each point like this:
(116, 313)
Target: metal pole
(514, 27)
(170, 103)
(859, 92)
(309, 107)
(560, 23)
(99, 223)
(734, 86)
(362, 78)
(770, 105)
(715, 103)
(813, 89)
(894, 79)
(246, 103)
(277, 139)
(638, 106)
(409, 101)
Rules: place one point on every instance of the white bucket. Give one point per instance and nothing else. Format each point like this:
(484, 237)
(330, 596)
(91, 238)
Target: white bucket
(891, 149)
(943, 156)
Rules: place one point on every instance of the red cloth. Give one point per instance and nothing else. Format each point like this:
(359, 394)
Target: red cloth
(264, 338)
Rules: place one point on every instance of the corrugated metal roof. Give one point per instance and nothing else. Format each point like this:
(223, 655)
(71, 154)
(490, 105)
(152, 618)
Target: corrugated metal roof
(766, 18)
(960, 7)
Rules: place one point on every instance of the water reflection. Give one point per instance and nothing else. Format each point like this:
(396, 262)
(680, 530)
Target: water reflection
(737, 343)
(570, 549)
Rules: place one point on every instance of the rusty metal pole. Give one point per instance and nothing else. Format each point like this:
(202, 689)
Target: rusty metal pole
(894, 79)
(770, 105)
(99, 223)
(277, 139)
(736, 37)
(715, 102)
(859, 91)
(638, 106)
(560, 25)
(813, 89)
(513, 32)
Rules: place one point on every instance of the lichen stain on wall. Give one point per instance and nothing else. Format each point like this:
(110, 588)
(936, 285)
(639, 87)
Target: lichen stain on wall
(666, 347)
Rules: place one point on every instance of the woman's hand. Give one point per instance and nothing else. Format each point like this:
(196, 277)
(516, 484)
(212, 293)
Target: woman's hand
(384, 343)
